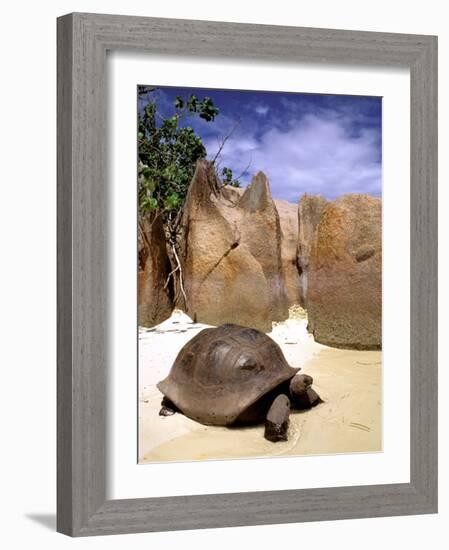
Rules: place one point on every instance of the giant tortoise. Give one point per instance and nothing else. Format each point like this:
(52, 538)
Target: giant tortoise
(233, 375)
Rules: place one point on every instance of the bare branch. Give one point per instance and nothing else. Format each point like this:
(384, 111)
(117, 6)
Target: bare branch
(245, 169)
(224, 140)
(181, 276)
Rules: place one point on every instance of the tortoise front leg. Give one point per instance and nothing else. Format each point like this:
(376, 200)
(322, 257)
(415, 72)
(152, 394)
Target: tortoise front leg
(276, 422)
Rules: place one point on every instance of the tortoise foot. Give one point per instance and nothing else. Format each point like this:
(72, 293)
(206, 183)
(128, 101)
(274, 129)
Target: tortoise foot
(166, 411)
(277, 420)
(168, 408)
(313, 397)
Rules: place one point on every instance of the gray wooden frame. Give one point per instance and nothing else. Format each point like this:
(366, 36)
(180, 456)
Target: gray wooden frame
(83, 40)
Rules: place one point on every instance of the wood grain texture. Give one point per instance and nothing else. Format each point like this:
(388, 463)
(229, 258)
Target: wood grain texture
(64, 276)
(83, 40)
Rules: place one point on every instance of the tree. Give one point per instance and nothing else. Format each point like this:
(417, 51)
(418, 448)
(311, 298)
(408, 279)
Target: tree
(168, 152)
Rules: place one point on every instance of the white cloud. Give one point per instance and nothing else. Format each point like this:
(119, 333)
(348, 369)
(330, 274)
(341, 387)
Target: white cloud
(316, 154)
(261, 110)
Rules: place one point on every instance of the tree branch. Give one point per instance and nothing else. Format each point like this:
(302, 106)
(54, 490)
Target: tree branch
(224, 140)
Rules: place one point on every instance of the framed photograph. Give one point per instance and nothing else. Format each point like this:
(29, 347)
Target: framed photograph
(247, 274)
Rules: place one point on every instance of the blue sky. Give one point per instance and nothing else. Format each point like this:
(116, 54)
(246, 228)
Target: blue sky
(305, 143)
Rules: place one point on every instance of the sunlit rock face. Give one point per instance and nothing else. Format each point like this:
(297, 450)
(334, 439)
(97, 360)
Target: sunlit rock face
(245, 258)
(260, 229)
(288, 217)
(232, 259)
(344, 293)
(310, 208)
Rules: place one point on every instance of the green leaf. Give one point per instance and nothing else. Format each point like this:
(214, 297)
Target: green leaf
(172, 201)
(148, 204)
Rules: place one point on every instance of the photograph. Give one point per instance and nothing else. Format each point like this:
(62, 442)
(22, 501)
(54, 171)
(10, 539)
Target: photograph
(259, 273)
(220, 280)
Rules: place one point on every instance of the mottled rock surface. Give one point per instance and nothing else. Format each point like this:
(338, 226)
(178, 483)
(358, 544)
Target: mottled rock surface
(224, 282)
(309, 212)
(288, 216)
(154, 301)
(344, 296)
(260, 230)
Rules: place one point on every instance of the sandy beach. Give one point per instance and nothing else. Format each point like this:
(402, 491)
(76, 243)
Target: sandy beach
(348, 381)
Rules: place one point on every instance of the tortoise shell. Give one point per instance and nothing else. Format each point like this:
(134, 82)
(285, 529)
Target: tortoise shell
(223, 371)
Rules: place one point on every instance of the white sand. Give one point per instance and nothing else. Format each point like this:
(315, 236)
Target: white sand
(348, 381)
